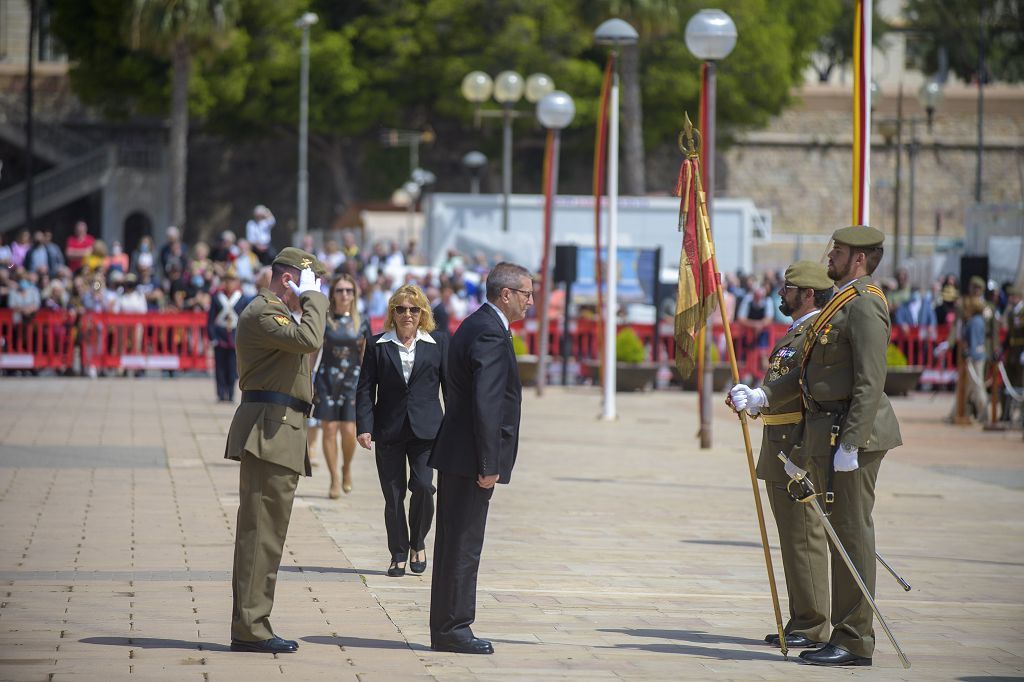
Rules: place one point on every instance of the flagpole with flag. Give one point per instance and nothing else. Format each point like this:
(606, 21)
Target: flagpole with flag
(698, 292)
(862, 111)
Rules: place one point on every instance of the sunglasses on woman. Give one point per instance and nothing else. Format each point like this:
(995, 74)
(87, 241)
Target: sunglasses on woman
(345, 290)
(410, 310)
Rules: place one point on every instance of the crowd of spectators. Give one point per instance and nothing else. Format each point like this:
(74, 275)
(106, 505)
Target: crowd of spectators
(87, 275)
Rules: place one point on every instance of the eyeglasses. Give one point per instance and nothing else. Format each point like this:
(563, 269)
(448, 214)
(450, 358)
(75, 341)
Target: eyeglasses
(528, 293)
(786, 287)
(407, 310)
(350, 291)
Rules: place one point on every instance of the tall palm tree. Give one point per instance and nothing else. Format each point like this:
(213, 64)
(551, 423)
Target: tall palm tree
(174, 29)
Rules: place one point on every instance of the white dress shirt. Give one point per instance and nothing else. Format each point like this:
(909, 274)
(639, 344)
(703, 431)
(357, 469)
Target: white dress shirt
(504, 320)
(407, 354)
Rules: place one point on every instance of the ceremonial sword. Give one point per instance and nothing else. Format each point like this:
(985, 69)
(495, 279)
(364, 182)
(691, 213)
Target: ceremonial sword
(805, 493)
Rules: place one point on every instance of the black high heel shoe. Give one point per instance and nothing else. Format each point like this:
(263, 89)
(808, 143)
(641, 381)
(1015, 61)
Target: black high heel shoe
(418, 567)
(396, 571)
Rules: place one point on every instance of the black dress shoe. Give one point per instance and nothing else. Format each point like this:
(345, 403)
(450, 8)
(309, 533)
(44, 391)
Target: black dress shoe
(830, 654)
(274, 645)
(418, 567)
(396, 571)
(464, 646)
(793, 641)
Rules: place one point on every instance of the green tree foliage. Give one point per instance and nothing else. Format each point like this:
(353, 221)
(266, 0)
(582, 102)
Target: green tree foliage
(835, 45)
(955, 29)
(399, 63)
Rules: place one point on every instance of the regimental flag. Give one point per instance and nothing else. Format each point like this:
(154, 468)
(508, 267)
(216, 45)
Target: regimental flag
(698, 283)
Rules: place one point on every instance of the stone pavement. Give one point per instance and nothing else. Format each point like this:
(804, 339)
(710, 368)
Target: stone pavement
(619, 551)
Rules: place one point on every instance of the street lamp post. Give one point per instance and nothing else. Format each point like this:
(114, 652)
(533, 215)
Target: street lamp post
(474, 161)
(617, 33)
(304, 22)
(508, 88)
(554, 111)
(710, 36)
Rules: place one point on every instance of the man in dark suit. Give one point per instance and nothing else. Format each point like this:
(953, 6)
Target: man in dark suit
(475, 448)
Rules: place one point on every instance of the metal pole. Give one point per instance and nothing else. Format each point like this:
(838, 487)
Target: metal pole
(910, 202)
(303, 181)
(29, 105)
(709, 193)
(899, 180)
(474, 183)
(981, 107)
(566, 339)
(612, 271)
(543, 322)
(506, 164)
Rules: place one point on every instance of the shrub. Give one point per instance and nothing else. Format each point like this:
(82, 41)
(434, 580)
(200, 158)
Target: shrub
(628, 347)
(894, 357)
(519, 346)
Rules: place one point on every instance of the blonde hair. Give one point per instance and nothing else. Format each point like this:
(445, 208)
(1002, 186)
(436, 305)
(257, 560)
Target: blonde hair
(354, 311)
(419, 299)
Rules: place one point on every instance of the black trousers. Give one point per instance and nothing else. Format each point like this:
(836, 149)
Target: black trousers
(391, 459)
(226, 371)
(461, 517)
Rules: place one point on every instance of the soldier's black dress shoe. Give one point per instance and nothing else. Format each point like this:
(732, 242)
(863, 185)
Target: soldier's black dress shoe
(418, 567)
(274, 645)
(793, 641)
(830, 654)
(465, 646)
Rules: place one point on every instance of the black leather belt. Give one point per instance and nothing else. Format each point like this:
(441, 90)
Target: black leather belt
(276, 398)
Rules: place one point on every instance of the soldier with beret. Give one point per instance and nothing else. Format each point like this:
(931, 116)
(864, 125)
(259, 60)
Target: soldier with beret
(268, 436)
(805, 290)
(849, 425)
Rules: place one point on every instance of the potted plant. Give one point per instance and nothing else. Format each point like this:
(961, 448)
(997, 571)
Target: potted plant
(900, 378)
(721, 374)
(527, 363)
(632, 373)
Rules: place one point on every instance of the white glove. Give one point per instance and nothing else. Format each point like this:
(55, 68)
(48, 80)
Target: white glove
(308, 281)
(743, 397)
(845, 459)
(793, 471)
(941, 348)
(753, 411)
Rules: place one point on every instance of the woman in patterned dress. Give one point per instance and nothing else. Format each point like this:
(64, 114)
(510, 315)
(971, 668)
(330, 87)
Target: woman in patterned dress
(334, 388)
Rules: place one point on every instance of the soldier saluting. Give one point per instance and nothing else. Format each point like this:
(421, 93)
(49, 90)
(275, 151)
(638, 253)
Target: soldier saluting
(849, 425)
(268, 436)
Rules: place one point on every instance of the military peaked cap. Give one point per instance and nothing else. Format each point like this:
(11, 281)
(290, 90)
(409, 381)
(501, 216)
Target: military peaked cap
(297, 258)
(809, 275)
(858, 235)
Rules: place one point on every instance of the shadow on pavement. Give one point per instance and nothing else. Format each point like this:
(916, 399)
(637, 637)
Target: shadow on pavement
(330, 569)
(363, 643)
(697, 637)
(155, 643)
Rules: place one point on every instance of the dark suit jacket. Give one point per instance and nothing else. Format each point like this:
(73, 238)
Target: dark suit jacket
(383, 399)
(480, 431)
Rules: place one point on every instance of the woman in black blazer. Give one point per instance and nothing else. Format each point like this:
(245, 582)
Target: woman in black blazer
(397, 405)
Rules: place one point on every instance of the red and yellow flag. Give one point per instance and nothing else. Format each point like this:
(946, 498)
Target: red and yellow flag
(698, 284)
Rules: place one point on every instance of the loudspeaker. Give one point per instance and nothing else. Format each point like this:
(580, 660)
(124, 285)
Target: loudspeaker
(972, 266)
(565, 263)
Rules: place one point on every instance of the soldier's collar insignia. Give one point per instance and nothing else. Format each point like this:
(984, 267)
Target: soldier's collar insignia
(282, 320)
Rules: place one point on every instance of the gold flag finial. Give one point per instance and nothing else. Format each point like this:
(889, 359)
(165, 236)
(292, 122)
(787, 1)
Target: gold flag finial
(689, 146)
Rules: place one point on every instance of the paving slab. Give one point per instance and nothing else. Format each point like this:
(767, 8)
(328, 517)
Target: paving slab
(620, 550)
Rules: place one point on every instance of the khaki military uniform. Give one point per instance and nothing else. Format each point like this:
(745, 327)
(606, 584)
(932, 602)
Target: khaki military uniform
(802, 537)
(270, 441)
(841, 385)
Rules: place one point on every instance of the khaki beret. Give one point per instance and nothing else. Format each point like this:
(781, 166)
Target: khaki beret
(297, 258)
(1013, 291)
(977, 282)
(858, 235)
(809, 275)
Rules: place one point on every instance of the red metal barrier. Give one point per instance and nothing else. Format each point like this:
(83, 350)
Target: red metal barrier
(172, 341)
(42, 341)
